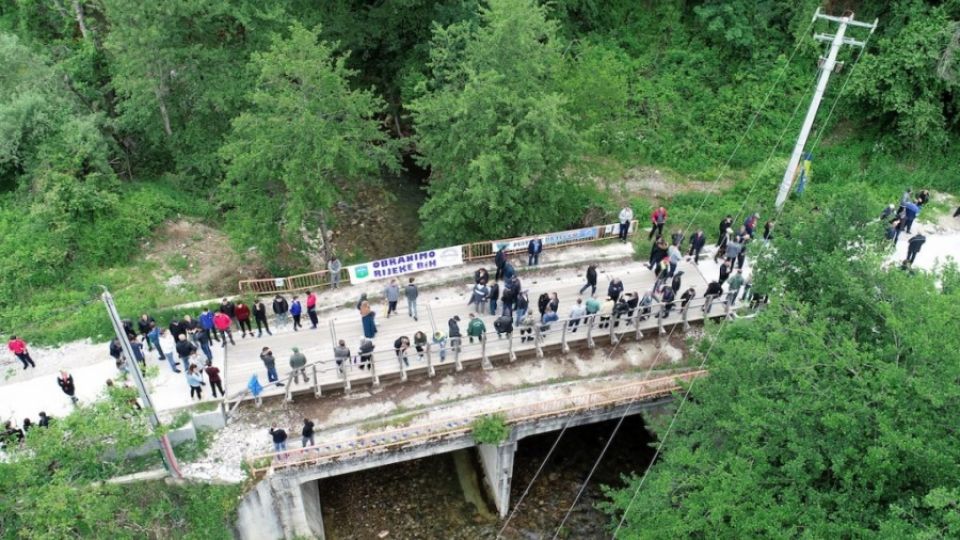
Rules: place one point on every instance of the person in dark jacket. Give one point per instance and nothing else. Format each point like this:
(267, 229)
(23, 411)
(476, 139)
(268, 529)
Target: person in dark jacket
(714, 290)
(366, 353)
(279, 439)
(493, 295)
(116, 351)
(657, 252)
(453, 332)
(675, 283)
(280, 310)
(697, 241)
(503, 325)
(591, 280)
(687, 296)
(481, 277)
(666, 296)
(227, 307)
(270, 363)
(725, 271)
(260, 315)
(615, 289)
(243, 319)
(65, 381)
(542, 303)
(307, 433)
(522, 304)
(508, 299)
(725, 224)
(185, 350)
(500, 260)
(204, 341)
(176, 327)
(534, 248)
(368, 320)
(913, 248)
(143, 324)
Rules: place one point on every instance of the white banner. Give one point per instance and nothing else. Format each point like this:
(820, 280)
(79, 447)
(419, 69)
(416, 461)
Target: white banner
(406, 264)
(549, 239)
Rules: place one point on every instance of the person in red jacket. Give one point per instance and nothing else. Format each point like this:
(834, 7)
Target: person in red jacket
(312, 308)
(658, 219)
(243, 319)
(19, 349)
(221, 321)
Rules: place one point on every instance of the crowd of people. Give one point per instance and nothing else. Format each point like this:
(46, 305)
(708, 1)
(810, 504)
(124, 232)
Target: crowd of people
(899, 222)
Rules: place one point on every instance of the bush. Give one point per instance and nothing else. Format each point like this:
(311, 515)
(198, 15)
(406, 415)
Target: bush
(490, 429)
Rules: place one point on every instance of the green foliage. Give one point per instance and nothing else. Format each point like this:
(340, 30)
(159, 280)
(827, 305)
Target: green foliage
(828, 415)
(494, 128)
(490, 429)
(307, 139)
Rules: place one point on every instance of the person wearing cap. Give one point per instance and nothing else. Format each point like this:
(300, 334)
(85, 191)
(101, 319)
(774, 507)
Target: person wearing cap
(297, 363)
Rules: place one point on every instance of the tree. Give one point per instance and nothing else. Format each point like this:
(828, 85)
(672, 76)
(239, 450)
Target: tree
(828, 416)
(494, 129)
(307, 139)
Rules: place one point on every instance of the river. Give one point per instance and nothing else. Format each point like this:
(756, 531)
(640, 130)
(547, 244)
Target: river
(425, 498)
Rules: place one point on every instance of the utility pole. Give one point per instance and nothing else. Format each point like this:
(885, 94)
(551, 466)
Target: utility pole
(827, 66)
(166, 449)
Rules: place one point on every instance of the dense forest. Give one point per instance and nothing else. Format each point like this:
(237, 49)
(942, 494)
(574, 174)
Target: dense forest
(260, 118)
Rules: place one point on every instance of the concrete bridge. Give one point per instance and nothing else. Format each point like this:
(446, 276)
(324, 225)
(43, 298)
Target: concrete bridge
(286, 502)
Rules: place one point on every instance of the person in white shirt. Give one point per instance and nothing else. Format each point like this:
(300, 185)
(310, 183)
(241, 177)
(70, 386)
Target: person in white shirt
(626, 216)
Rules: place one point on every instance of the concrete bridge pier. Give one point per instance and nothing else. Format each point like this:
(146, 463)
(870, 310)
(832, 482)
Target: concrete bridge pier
(281, 507)
(497, 463)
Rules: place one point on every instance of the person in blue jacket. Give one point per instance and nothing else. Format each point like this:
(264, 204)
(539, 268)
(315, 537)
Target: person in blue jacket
(533, 251)
(295, 310)
(206, 322)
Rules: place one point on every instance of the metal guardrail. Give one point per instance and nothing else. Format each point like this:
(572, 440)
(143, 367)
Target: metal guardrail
(453, 427)
(387, 363)
(473, 251)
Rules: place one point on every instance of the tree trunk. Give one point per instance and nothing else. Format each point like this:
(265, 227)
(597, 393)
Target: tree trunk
(323, 235)
(81, 21)
(163, 110)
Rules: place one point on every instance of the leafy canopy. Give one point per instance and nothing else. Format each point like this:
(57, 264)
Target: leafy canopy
(831, 415)
(493, 126)
(307, 138)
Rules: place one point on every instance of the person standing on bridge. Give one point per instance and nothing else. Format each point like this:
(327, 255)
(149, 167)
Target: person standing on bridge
(657, 219)
(185, 350)
(279, 439)
(576, 314)
(724, 271)
(440, 340)
(153, 336)
(508, 298)
(725, 224)
(367, 319)
(674, 256)
(697, 241)
(411, 292)
(657, 252)
(269, 362)
(500, 260)
(392, 295)
(479, 297)
(307, 433)
(243, 319)
(312, 309)
(19, 349)
(733, 287)
(420, 343)
(676, 239)
(625, 217)
(453, 327)
(334, 267)
(216, 383)
(206, 322)
(615, 289)
(297, 363)
(296, 309)
(227, 307)
(260, 315)
(522, 304)
(280, 310)
(196, 382)
(366, 353)
(476, 328)
(222, 323)
(341, 355)
(400, 346)
(687, 296)
(534, 248)
(493, 295)
(714, 289)
(591, 280)
(143, 324)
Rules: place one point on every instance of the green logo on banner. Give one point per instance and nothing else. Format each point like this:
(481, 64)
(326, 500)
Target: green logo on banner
(362, 272)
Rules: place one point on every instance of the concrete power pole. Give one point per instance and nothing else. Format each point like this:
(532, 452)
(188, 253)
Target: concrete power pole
(166, 449)
(827, 66)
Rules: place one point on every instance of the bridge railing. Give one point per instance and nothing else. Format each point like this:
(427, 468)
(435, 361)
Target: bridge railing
(428, 432)
(386, 363)
(471, 252)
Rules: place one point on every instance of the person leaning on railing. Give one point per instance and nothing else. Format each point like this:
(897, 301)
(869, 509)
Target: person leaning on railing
(341, 354)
